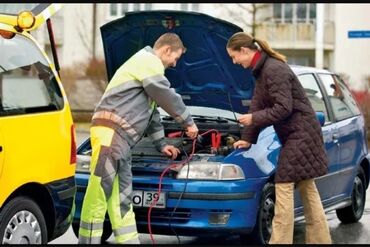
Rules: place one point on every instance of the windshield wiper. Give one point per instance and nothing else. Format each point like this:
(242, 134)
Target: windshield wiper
(208, 119)
(202, 118)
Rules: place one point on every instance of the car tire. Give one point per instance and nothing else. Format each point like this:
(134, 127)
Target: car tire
(353, 212)
(107, 230)
(22, 222)
(261, 232)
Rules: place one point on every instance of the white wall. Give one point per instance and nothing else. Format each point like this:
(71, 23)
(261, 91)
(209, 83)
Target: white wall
(77, 44)
(235, 13)
(78, 21)
(352, 55)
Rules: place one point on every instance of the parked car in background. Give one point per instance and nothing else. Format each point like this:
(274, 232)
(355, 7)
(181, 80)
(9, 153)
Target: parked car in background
(222, 190)
(37, 136)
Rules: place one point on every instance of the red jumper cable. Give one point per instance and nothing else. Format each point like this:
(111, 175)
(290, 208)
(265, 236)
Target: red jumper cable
(154, 202)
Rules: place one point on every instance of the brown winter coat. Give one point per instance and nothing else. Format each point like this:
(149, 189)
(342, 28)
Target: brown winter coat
(280, 100)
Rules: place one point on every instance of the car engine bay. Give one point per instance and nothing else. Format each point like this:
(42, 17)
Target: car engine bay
(222, 134)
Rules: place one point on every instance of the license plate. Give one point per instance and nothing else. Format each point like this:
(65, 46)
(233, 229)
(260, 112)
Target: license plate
(142, 198)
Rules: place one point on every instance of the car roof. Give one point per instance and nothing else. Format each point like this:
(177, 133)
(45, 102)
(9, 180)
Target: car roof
(298, 69)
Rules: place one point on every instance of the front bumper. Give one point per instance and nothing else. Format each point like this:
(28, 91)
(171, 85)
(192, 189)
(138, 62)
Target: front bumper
(201, 201)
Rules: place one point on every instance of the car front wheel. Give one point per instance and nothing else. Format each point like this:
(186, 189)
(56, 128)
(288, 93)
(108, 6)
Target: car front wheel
(353, 212)
(261, 232)
(22, 222)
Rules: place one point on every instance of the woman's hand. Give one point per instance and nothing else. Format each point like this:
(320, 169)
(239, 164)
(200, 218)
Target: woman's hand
(241, 144)
(246, 119)
(170, 151)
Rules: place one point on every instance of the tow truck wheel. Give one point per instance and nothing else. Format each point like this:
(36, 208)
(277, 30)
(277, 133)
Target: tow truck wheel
(22, 222)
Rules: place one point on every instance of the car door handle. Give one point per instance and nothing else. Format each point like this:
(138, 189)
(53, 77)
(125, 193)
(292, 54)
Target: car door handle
(1, 148)
(335, 138)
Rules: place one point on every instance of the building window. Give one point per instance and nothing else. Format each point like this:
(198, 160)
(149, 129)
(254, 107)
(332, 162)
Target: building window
(113, 9)
(189, 6)
(184, 6)
(124, 8)
(312, 11)
(136, 6)
(277, 11)
(195, 7)
(147, 6)
(294, 12)
(117, 10)
(302, 12)
(287, 12)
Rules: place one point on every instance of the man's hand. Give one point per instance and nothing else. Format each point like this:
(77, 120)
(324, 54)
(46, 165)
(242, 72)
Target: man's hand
(241, 144)
(171, 151)
(192, 131)
(246, 119)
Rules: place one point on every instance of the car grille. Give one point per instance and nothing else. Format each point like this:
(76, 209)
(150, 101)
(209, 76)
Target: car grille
(152, 173)
(152, 169)
(163, 215)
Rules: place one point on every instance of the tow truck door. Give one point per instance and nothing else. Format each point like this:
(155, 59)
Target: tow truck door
(2, 152)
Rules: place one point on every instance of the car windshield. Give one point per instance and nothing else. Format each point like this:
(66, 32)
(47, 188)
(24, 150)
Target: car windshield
(27, 83)
(207, 112)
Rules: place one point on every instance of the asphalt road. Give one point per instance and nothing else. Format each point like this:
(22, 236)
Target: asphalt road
(356, 233)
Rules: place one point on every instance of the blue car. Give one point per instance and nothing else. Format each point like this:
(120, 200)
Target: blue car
(222, 190)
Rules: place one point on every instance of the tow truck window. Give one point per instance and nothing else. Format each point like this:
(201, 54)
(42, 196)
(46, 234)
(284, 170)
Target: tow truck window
(27, 83)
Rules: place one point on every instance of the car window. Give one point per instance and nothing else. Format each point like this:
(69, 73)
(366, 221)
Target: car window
(340, 98)
(313, 93)
(27, 83)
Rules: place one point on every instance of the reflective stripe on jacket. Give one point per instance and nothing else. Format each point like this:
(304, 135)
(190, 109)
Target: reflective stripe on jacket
(134, 86)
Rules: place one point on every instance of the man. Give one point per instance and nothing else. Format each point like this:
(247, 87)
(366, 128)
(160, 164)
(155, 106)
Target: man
(126, 110)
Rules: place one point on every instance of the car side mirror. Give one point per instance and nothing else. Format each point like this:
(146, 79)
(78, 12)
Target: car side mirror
(321, 117)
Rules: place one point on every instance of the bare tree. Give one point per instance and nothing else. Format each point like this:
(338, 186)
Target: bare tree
(94, 68)
(94, 16)
(82, 32)
(256, 23)
(237, 13)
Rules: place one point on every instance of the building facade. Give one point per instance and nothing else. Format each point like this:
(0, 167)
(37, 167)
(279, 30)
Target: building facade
(289, 28)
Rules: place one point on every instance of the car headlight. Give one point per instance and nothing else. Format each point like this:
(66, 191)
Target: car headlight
(211, 171)
(83, 163)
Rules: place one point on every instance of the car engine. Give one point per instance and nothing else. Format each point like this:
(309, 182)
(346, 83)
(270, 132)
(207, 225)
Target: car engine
(219, 140)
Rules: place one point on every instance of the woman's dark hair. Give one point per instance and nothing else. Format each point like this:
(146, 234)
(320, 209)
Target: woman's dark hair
(241, 39)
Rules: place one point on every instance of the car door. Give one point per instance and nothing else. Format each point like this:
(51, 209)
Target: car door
(349, 131)
(327, 183)
(35, 117)
(2, 151)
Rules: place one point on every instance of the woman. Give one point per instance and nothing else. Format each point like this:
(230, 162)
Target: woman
(280, 100)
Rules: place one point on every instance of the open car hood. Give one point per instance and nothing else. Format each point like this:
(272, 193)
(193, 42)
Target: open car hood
(204, 75)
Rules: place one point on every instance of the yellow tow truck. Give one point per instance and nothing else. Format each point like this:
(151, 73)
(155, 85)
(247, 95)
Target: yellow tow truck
(37, 135)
